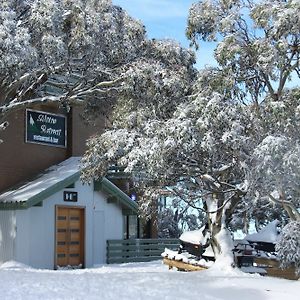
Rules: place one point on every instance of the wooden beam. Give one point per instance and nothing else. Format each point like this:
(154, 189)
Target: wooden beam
(181, 266)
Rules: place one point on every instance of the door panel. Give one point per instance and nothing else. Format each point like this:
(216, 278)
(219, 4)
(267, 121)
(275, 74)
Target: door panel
(69, 237)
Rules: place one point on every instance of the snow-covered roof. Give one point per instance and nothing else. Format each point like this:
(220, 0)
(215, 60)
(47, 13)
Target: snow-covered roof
(268, 234)
(55, 179)
(44, 185)
(194, 237)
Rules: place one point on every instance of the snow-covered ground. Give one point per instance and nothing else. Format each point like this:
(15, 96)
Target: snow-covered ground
(140, 281)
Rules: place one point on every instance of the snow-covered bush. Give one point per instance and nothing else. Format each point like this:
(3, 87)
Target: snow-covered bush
(288, 247)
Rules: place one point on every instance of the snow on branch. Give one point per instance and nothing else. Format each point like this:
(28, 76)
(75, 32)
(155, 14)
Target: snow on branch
(288, 206)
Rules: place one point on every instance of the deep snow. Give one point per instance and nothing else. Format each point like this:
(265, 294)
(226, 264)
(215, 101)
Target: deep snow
(140, 281)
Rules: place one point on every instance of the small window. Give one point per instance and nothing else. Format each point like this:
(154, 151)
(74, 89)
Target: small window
(131, 227)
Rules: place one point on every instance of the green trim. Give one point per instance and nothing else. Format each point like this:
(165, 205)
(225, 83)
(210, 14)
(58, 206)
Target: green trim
(71, 186)
(129, 206)
(34, 200)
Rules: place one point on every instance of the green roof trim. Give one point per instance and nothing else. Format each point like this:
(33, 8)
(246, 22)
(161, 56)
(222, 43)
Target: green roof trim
(37, 198)
(129, 206)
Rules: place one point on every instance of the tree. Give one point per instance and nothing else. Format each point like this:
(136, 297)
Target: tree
(258, 55)
(201, 146)
(88, 52)
(205, 148)
(259, 47)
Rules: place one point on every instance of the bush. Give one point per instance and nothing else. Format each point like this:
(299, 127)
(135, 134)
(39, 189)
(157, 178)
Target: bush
(288, 246)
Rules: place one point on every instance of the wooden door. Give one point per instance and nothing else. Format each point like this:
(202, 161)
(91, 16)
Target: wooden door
(69, 248)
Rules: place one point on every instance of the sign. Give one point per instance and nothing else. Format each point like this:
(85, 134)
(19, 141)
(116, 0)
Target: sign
(70, 196)
(45, 128)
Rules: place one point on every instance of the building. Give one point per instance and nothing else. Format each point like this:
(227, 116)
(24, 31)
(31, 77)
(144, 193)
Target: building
(54, 221)
(48, 218)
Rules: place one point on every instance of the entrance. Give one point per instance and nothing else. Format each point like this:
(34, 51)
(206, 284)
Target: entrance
(69, 237)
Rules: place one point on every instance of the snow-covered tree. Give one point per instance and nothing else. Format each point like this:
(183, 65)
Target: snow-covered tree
(258, 53)
(90, 52)
(275, 161)
(203, 147)
(206, 146)
(288, 247)
(259, 44)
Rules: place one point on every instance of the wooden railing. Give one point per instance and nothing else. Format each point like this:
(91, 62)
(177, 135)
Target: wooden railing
(138, 250)
(272, 267)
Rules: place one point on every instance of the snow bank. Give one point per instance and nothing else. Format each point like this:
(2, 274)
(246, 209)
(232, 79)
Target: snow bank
(141, 281)
(14, 265)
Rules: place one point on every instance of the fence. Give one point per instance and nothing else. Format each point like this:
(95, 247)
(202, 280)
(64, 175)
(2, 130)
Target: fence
(272, 267)
(138, 250)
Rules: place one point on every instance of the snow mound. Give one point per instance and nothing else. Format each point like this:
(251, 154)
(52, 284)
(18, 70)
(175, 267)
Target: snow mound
(14, 265)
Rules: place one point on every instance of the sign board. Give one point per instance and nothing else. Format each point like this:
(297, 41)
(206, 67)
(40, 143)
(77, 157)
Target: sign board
(46, 128)
(70, 196)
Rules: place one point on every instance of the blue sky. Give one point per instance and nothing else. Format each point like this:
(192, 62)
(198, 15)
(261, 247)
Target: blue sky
(167, 19)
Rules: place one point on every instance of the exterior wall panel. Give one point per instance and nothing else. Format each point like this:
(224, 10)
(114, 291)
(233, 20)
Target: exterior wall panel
(34, 228)
(20, 161)
(7, 235)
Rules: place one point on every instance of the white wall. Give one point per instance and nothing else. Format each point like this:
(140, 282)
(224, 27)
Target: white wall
(108, 224)
(35, 242)
(7, 235)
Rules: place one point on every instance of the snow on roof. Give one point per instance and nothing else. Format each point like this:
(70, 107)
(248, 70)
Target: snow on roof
(194, 236)
(268, 234)
(49, 178)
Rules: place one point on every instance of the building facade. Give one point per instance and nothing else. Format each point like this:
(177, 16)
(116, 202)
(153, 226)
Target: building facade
(38, 141)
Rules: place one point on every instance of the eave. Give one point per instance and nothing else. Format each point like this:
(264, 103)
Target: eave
(115, 195)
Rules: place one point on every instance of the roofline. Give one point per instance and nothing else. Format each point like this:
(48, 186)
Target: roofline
(42, 195)
(108, 187)
(129, 206)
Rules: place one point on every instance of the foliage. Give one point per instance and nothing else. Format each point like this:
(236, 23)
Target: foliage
(259, 42)
(275, 159)
(167, 224)
(85, 52)
(226, 148)
(288, 247)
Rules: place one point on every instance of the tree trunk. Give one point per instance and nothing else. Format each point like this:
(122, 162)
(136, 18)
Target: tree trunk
(221, 239)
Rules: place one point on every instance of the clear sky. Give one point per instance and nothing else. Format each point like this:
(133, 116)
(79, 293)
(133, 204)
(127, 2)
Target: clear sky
(167, 19)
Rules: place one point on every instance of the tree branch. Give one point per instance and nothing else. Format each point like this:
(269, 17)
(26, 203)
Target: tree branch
(288, 206)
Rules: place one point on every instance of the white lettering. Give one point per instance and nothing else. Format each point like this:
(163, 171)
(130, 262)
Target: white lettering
(53, 131)
(46, 119)
(47, 139)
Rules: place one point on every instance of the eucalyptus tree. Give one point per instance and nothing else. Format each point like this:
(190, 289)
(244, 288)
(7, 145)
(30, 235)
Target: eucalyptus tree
(90, 52)
(206, 143)
(198, 153)
(258, 43)
(258, 55)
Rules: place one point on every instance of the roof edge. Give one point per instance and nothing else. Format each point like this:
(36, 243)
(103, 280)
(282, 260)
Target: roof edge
(42, 195)
(107, 186)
